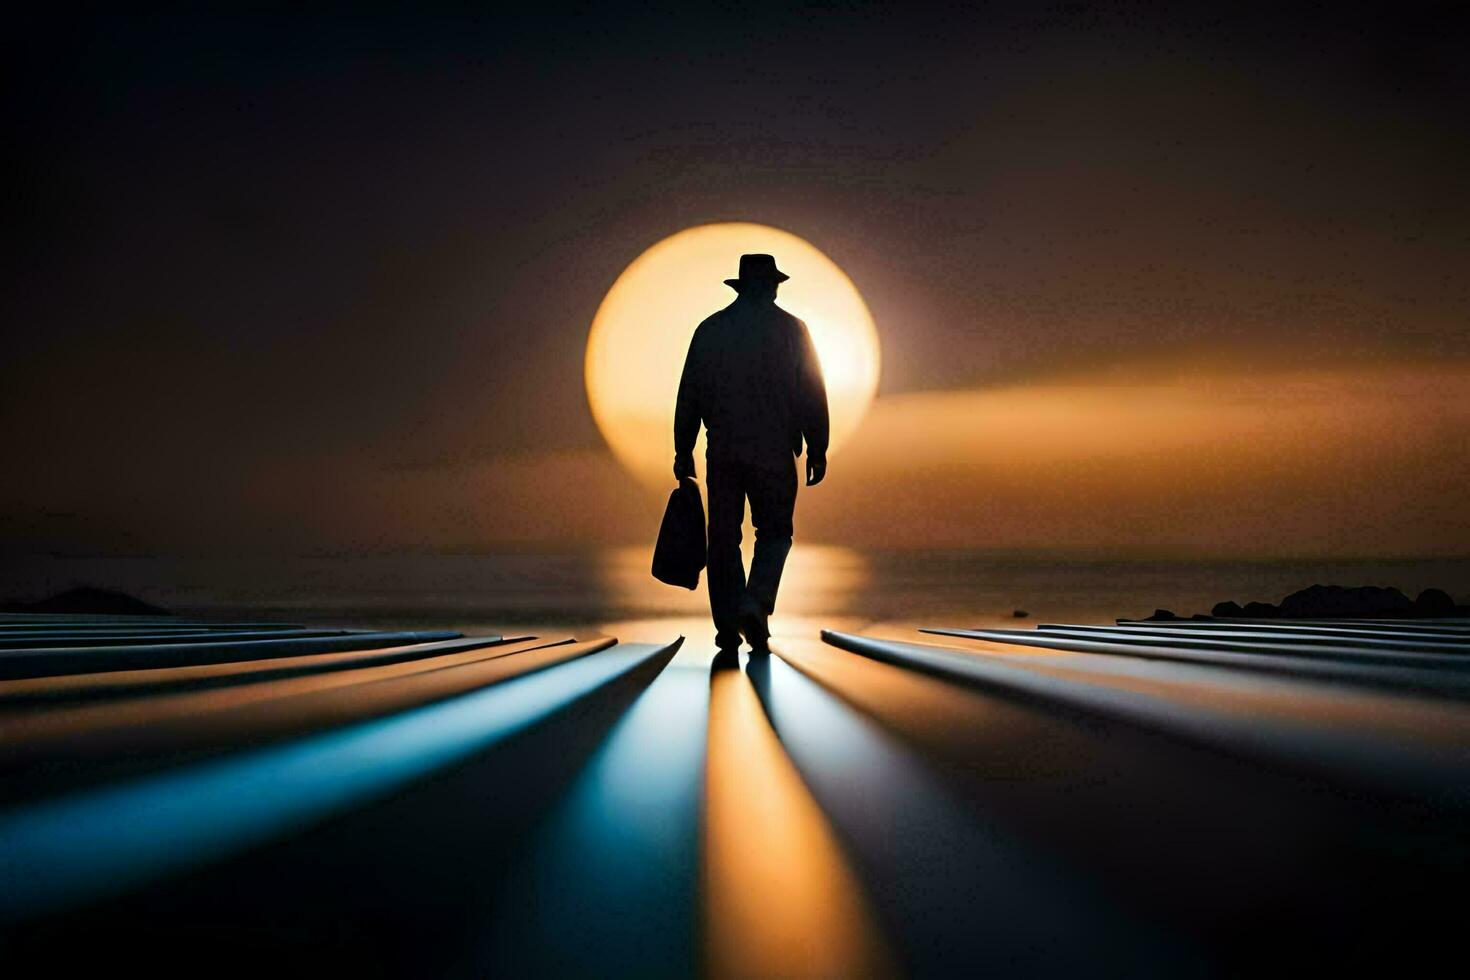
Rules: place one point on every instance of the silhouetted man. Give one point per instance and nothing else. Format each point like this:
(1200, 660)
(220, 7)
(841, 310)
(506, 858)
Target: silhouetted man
(753, 379)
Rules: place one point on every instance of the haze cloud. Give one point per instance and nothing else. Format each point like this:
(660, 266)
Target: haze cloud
(312, 284)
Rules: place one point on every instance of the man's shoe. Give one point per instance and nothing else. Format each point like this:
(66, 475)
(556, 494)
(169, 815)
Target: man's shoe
(753, 625)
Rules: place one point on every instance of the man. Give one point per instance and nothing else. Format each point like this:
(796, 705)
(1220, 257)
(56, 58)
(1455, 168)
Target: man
(753, 379)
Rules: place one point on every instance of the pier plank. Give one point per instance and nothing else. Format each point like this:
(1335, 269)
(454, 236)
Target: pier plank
(1454, 646)
(1431, 683)
(43, 751)
(1418, 753)
(444, 781)
(964, 895)
(15, 664)
(1211, 845)
(50, 691)
(13, 644)
(1450, 668)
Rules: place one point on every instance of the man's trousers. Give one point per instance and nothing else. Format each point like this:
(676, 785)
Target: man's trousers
(771, 487)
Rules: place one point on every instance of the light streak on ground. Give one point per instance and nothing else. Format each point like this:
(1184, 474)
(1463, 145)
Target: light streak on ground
(107, 840)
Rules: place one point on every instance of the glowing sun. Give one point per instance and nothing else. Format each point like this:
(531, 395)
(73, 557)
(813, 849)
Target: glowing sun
(641, 333)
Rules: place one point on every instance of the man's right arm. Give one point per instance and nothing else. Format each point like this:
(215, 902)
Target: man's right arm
(687, 412)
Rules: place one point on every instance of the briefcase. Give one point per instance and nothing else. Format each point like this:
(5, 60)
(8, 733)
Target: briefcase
(680, 554)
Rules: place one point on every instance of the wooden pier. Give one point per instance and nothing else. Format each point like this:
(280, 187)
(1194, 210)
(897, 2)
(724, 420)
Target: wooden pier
(1191, 796)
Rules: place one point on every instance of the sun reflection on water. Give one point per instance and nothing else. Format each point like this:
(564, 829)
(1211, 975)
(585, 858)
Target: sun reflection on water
(818, 579)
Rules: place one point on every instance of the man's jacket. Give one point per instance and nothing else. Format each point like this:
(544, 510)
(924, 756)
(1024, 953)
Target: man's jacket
(752, 377)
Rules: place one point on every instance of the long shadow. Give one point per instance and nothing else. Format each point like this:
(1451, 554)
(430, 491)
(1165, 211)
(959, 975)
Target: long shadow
(959, 897)
(781, 895)
(401, 887)
(1247, 863)
(608, 885)
(55, 752)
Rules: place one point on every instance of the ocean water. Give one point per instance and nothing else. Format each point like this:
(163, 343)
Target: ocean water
(480, 593)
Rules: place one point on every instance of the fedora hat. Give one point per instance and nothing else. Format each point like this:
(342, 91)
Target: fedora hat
(757, 266)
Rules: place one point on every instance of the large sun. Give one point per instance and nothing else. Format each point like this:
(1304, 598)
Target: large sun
(635, 351)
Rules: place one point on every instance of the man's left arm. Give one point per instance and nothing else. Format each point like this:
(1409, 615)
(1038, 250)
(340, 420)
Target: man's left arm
(811, 405)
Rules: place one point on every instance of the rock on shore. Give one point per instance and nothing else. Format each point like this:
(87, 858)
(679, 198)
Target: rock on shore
(1336, 602)
(1339, 602)
(87, 599)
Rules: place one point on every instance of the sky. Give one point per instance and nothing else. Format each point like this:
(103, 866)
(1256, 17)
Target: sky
(1159, 279)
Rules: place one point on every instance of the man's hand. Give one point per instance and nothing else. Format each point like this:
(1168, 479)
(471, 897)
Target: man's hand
(816, 468)
(683, 466)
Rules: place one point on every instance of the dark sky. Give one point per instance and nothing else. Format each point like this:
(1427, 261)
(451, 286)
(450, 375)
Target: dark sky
(245, 249)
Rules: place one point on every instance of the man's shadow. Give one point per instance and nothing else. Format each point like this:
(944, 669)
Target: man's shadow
(757, 668)
(725, 659)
